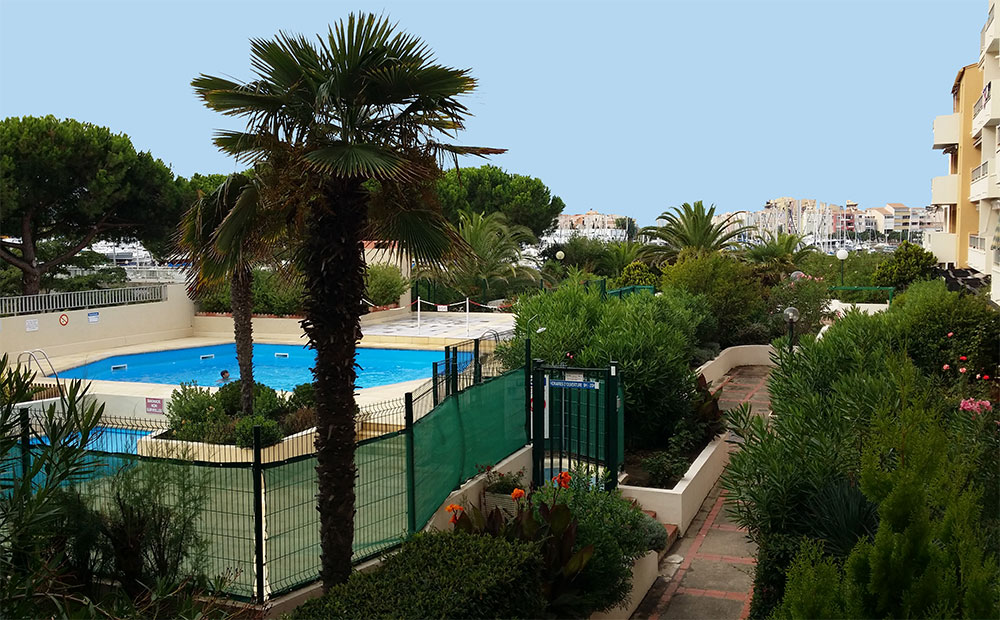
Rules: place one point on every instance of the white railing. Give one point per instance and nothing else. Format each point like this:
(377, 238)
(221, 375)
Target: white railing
(77, 300)
(983, 99)
(171, 275)
(980, 171)
(977, 243)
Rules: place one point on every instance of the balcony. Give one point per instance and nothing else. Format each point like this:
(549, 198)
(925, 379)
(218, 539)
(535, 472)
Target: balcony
(983, 184)
(946, 131)
(988, 41)
(983, 113)
(977, 253)
(944, 190)
(943, 245)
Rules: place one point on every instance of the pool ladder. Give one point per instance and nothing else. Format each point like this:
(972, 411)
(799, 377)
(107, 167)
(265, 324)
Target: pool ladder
(32, 356)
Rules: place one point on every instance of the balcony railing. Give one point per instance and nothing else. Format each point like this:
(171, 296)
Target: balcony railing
(60, 302)
(977, 243)
(981, 171)
(982, 33)
(983, 99)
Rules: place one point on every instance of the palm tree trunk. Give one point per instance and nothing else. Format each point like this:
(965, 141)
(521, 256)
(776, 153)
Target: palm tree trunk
(333, 263)
(241, 288)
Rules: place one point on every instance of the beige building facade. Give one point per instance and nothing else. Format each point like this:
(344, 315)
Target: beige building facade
(969, 195)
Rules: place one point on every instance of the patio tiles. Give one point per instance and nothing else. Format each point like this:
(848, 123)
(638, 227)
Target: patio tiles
(714, 578)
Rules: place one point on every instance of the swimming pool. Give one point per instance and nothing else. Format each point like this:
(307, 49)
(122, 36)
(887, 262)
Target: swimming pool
(280, 366)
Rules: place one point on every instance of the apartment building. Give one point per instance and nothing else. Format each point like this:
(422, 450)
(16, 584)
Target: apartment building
(593, 225)
(969, 195)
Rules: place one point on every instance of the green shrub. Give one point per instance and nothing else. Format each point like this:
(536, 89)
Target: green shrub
(615, 526)
(928, 312)
(303, 395)
(266, 401)
(735, 297)
(298, 420)
(195, 415)
(384, 284)
(858, 270)
(809, 296)
(651, 338)
(637, 274)
(441, 575)
(656, 534)
(665, 468)
(273, 292)
(908, 264)
(270, 432)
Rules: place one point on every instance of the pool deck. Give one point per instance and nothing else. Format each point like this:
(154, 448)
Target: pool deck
(435, 331)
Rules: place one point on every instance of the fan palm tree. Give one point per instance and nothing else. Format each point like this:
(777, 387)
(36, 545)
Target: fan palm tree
(364, 103)
(493, 255)
(689, 228)
(211, 267)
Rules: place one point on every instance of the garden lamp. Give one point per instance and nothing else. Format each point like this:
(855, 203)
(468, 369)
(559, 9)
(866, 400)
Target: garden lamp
(540, 330)
(792, 317)
(842, 256)
(795, 276)
(560, 255)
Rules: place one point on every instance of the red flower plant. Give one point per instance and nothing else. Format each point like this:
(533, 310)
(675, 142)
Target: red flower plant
(456, 511)
(517, 494)
(562, 479)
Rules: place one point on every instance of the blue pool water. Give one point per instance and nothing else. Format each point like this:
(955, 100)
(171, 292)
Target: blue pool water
(107, 439)
(280, 366)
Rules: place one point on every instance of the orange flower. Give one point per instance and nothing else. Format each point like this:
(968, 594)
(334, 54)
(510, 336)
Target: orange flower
(453, 508)
(517, 494)
(562, 479)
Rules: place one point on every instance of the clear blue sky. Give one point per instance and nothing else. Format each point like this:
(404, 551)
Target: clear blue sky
(625, 107)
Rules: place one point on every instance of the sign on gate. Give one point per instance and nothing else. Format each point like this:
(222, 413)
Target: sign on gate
(580, 385)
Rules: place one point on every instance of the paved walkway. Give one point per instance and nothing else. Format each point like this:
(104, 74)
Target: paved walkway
(708, 573)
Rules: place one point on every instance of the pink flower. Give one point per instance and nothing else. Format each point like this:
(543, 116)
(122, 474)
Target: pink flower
(986, 377)
(950, 334)
(962, 358)
(945, 367)
(962, 370)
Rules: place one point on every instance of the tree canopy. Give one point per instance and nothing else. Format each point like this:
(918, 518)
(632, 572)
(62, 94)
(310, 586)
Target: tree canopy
(524, 201)
(74, 183)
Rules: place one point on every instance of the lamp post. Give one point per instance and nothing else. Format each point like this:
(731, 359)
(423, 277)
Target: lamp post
(560, 255)
(791, 317)
(842, 256)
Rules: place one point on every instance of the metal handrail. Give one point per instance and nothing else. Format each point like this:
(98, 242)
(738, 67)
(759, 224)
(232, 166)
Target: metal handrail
(977, 242)
(980, 171)
(30, 356)
(77, 300)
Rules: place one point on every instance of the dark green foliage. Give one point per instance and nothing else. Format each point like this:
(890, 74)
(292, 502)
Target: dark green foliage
(618, 531)
(441, 575)
(810, 297)
(656, 534)
(814, 587)
(736, 298)
(927, 313)
(637, 274)
(75, 183)
(858, 270)
(665, 468)
(266, 401)
(384, 284)
(525, 201)
(551, 526)
(842, 516)
(583, 253)
(270, 432)
(651, 338)
(908, 264)
(195, 415)
(303, 395)
(273, 293)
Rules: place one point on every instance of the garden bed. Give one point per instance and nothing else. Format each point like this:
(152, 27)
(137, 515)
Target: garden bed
(161, 445)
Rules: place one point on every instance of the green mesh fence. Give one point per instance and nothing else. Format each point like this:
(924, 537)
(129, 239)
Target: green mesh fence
(481, 425)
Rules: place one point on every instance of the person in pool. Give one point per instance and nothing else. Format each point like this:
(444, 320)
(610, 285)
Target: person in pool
(225, 377)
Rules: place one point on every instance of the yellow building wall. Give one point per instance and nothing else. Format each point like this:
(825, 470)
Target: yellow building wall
(970, 88)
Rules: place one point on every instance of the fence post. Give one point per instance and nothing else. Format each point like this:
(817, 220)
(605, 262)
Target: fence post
(477, 370)
(447, 371)
(25, 442)
(454, 370)
(538, 424)
(604, 288)
(258, 514)
(611, 425)
(411, 473)
(527, 389)
(434, 383)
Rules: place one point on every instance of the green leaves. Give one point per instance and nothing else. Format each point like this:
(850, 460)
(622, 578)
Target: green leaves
(689, 227)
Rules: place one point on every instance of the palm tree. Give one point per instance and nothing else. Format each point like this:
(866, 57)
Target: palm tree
(689, 228)
(619, 255)
(364, 103)
(210, 267)
(779, 250)
(492, 254)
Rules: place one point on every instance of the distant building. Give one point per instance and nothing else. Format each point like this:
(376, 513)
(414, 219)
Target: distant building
(592, 225)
